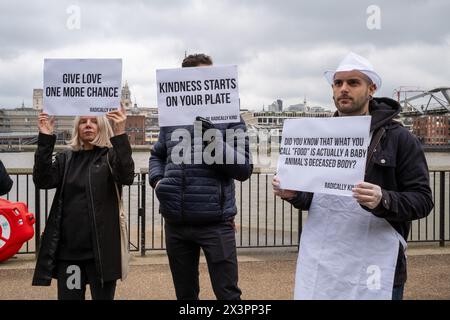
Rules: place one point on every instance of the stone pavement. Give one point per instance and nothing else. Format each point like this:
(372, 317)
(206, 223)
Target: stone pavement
(263, 274)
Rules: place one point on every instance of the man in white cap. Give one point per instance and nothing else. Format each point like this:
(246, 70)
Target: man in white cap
(354, 248)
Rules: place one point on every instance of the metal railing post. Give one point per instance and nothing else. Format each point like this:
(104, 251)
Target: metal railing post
(37, 225)
(442, 209)
(142, 212)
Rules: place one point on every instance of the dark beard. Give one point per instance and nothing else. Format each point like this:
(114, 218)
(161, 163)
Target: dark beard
(356, 106)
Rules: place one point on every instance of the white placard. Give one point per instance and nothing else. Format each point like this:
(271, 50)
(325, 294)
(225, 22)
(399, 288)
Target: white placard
(324, 155)
(82, 86)
(209, 92)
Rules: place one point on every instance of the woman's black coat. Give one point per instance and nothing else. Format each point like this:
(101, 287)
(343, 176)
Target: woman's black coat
(102, 204)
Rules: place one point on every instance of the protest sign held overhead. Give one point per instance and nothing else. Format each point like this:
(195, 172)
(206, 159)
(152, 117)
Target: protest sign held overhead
(209, 92)
(324, 155)
(82, 86)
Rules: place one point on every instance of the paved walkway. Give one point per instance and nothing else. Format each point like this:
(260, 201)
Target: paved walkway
(264, 274)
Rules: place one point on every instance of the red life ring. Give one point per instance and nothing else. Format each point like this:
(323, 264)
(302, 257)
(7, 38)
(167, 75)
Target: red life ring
(16, 227)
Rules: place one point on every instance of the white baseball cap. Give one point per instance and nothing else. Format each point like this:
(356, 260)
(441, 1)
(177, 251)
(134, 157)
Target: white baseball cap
(351, 62)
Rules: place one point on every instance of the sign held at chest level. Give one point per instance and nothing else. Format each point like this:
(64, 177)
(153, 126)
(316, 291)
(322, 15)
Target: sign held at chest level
(323, 155)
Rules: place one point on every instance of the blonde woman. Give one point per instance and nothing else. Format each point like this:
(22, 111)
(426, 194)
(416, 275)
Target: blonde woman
(81, 240)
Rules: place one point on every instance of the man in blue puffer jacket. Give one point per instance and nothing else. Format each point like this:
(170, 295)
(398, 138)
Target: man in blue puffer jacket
(197, 201)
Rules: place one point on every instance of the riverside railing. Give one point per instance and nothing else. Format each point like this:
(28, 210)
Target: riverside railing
(262, 221)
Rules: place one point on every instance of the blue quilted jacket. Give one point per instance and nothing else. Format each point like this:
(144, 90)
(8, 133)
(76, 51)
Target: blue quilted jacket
(194, 192)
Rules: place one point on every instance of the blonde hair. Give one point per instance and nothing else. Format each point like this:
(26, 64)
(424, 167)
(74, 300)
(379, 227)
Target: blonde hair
(104, 133)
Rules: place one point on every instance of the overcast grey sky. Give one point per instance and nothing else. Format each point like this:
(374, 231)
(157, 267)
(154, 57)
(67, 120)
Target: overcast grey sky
(281, 47)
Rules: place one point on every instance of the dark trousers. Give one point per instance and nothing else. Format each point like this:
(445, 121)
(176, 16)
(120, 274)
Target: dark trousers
(73, 276)
(183, 243)
(397, 292)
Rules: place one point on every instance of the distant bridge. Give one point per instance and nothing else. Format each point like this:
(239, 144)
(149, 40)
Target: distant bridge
(416, 102)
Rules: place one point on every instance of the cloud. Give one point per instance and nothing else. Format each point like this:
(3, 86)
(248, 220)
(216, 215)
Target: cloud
(281, 47)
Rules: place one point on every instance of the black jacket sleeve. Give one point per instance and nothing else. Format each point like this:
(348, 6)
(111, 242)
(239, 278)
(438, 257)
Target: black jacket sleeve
(413, 198)
(47, 174)
(302, 200)
(5, 181)
(237, 162)
(157, 161)
(121, 161)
